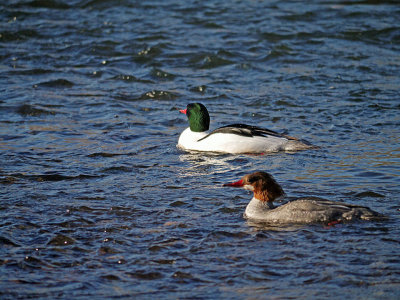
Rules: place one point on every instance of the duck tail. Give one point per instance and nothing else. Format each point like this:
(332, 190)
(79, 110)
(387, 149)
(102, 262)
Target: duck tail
(295, 144)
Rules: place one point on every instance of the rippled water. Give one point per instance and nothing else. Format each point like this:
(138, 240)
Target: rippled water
(97, 201)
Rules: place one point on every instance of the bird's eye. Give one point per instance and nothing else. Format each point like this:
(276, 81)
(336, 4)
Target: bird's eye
(252, 179)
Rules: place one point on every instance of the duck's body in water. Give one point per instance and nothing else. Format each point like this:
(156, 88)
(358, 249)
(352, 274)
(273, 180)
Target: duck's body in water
(235, 138)
(301, 211)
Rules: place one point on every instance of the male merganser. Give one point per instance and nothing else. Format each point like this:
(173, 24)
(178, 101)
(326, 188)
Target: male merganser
(300, 211)
(235, 138)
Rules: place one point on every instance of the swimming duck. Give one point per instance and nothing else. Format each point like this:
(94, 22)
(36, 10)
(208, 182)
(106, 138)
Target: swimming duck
(301, 211)
(235, 138)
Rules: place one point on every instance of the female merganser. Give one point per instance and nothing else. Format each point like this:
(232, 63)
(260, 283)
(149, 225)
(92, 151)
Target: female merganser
(300, 211)
(235, 138)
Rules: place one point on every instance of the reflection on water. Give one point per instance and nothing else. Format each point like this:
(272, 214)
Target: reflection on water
(262, 226)
(205, 164)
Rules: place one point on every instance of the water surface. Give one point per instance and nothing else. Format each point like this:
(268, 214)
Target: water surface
(97, 201)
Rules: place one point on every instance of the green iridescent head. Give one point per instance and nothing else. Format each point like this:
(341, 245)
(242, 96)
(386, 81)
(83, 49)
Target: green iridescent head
(199, 119)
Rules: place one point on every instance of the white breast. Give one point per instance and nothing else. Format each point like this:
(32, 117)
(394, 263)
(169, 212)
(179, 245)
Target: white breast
(229, 143)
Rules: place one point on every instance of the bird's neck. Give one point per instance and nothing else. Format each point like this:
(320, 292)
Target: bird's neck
(257, 209)
(263, 203)
(264, 197)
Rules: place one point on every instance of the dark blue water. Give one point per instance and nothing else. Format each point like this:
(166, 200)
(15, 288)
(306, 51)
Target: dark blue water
(97, 202)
